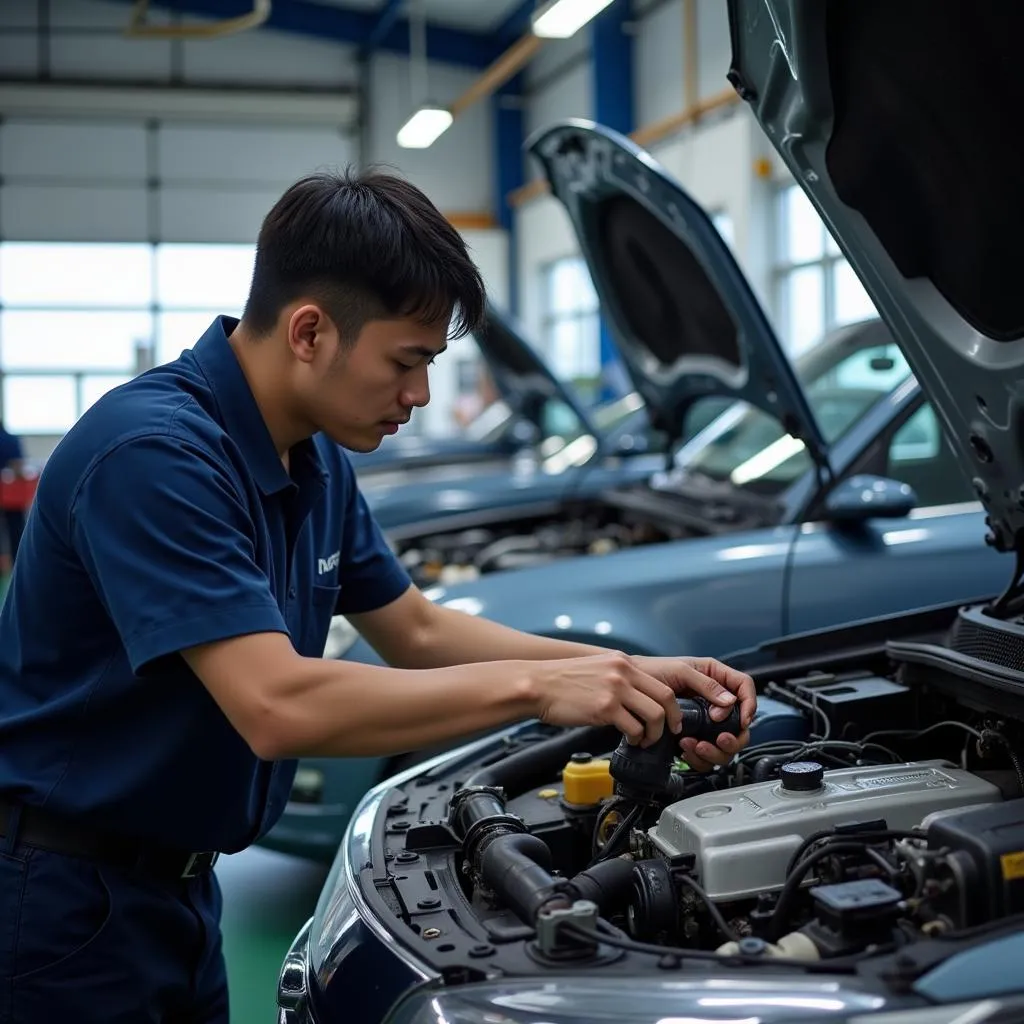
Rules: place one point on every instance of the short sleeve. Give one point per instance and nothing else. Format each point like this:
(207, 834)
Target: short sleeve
(167, 539)
(371, 575)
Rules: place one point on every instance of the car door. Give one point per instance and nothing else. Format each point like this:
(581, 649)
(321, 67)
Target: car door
(843, 572)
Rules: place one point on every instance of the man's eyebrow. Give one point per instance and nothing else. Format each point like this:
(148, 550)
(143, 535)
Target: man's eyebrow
(426, 353)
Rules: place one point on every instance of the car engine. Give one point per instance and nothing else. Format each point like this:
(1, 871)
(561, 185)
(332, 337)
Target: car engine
(866, 816)
(625, 518)
(463, 555)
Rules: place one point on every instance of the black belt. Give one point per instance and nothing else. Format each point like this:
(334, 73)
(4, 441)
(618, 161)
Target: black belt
(45, 830)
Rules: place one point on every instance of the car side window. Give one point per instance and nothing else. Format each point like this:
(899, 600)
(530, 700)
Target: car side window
(919, 455)
(559, 420)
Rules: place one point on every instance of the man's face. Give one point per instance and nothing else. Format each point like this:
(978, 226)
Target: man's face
(369, 390)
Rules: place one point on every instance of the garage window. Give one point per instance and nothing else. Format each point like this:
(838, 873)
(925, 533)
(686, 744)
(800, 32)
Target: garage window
(570, 323)
(77, 319)
(816, 289)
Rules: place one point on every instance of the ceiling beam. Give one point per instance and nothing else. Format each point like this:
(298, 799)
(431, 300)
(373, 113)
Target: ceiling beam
(518, 20)
(385, 23)
(320, 21)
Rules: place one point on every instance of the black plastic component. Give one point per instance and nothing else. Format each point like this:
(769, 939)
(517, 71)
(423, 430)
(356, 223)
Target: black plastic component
(856, 705)
(435, 835)
(986, 860)
(852, 916)
(646, 770)
(802, 776)
(762, 916)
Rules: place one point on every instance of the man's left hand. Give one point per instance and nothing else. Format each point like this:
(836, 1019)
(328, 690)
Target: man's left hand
(721, 686)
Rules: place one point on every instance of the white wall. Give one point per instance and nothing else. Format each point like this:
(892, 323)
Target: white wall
(124, 181)
(457, 171)
(658, 63)
(558, 85)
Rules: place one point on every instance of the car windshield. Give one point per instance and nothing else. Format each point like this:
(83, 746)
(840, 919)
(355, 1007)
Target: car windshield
(560, 426)
(843, 377)
(610, 415)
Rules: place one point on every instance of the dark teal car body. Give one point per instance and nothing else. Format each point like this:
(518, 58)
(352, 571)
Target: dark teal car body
(860, 508)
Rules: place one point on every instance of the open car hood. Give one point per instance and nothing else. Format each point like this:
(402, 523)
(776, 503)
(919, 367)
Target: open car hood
(684, 317)
(520, 375)
(900, 122)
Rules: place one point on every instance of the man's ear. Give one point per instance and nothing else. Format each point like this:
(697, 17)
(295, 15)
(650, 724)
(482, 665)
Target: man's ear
(308, 331)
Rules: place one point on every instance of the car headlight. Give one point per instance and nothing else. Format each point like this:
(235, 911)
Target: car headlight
(341, 635)
(572, 1000)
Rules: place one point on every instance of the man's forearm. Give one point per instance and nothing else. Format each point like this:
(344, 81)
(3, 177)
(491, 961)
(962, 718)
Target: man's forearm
(343, 709)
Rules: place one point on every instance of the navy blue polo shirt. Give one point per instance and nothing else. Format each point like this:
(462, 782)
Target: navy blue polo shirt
(165, 519)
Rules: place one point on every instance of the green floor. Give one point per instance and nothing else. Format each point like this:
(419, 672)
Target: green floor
(267, 898)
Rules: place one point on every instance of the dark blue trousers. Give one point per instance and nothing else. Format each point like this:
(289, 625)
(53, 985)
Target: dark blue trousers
(86, 943)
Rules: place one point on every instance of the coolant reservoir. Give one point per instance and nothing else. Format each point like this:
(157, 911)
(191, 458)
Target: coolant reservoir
(587, 780)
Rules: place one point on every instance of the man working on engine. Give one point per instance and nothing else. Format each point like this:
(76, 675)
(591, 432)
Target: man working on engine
(192, 537)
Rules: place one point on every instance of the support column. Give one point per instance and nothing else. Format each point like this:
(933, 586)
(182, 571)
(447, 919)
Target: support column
(509, 174)
(611, 49)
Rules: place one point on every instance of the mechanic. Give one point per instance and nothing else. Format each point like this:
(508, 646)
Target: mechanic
(160, 647)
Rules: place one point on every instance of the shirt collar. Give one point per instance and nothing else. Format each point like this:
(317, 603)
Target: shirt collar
(241, 415)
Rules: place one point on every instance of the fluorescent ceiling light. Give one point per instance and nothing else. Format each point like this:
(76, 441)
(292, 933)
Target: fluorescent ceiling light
(424, 127)
(559, 19)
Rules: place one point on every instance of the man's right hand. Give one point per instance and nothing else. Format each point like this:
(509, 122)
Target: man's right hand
(604, 689)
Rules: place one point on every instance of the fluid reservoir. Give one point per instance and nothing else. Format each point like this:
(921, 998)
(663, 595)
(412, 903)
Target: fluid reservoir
(587, 780)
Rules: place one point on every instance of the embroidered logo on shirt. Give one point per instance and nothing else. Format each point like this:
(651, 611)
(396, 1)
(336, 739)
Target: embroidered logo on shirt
(327, 564)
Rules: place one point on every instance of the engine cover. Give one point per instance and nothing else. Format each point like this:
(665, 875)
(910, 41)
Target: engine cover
(744, 838)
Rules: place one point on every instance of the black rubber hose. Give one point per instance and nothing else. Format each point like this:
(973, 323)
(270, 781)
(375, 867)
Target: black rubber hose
(469, 809)
(518, 869)
(608, 884)
(538, 763)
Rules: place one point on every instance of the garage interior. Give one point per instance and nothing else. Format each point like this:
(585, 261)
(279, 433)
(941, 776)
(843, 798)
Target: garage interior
(142, 143)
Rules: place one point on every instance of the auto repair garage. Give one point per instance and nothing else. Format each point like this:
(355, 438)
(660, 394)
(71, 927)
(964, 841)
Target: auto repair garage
(676, 426)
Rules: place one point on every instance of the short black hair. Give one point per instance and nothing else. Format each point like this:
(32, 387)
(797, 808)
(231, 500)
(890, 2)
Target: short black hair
(368, 245)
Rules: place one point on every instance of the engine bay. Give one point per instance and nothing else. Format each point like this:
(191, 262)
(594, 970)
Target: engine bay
(463, 555)
(874, 822)
(617, 521)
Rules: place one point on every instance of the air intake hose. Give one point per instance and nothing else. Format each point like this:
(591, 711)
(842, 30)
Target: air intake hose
(516, 866)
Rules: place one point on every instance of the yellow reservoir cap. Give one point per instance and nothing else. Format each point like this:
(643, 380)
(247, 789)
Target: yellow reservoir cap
(587, 780)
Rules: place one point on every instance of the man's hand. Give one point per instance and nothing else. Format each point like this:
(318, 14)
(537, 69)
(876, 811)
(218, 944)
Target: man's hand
(721, 686)
(605, 689)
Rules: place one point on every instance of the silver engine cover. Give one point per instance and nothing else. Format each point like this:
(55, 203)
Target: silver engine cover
(743, 838)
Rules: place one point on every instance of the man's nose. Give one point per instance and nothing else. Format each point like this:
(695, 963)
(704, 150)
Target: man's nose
(416, 393)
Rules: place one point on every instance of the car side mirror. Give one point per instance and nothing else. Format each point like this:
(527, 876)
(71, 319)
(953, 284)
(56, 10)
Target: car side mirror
(869, 497)
(524, 433)
(631, 444)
